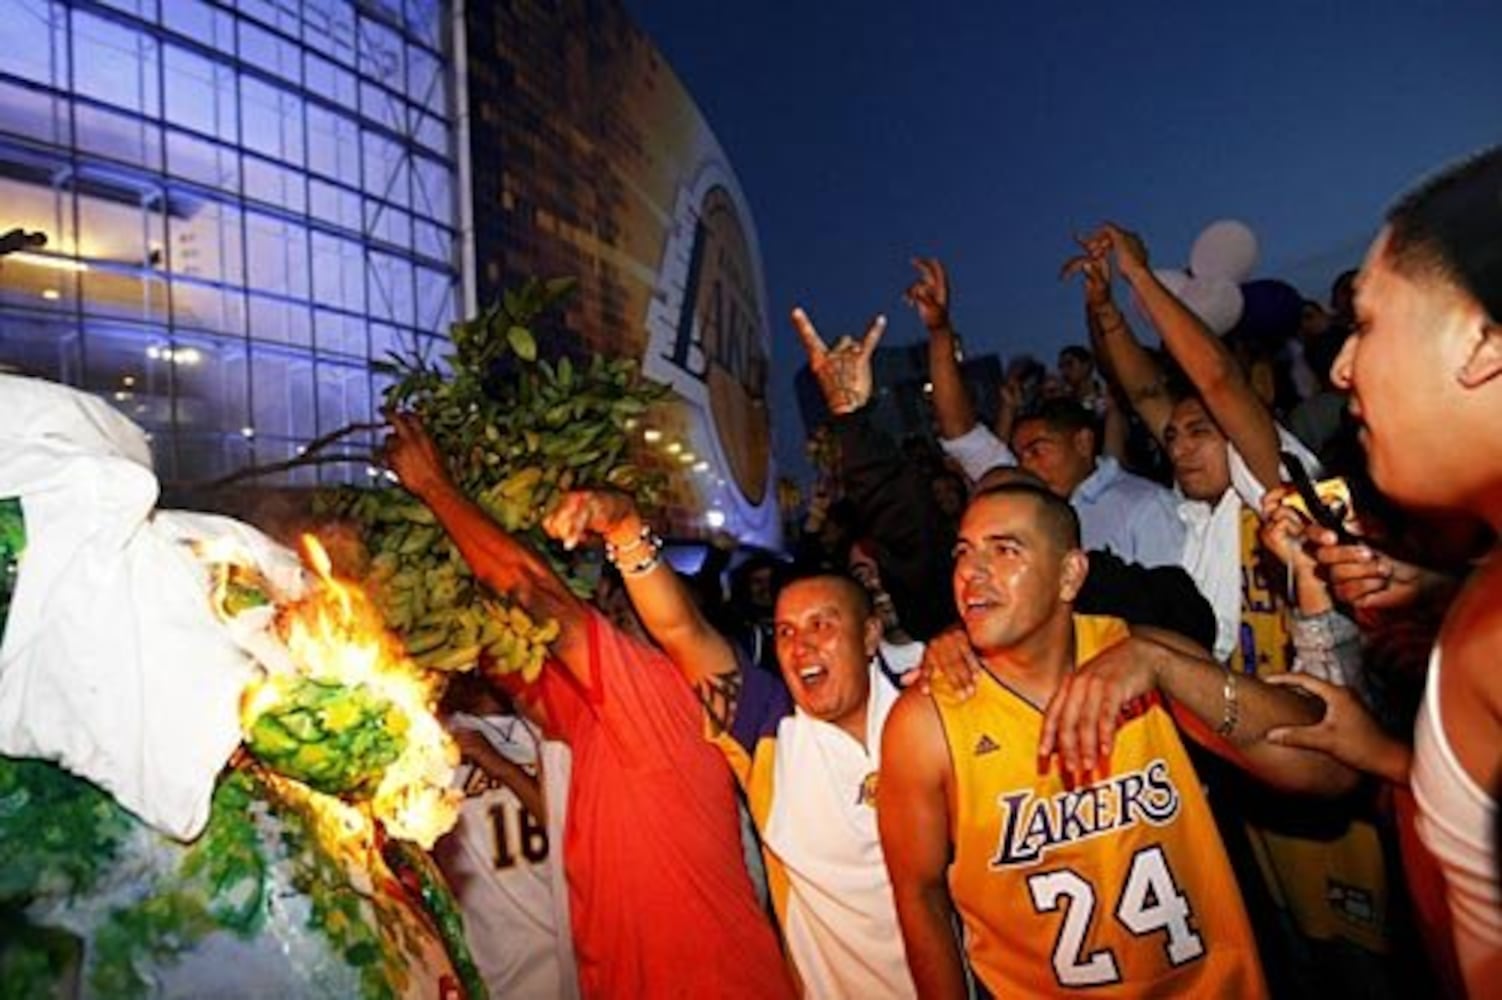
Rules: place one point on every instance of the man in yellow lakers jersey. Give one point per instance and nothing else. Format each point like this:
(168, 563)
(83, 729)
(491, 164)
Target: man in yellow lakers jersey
(1055, 810)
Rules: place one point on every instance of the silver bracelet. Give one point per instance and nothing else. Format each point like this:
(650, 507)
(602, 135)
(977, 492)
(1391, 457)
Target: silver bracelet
(1232, 706)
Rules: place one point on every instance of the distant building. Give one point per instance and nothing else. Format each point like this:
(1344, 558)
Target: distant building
(246, 204)
(242, 208)
(903, 407)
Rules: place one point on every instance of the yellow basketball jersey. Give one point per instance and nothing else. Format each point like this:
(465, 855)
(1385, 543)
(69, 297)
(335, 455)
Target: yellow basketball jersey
(1120, 887)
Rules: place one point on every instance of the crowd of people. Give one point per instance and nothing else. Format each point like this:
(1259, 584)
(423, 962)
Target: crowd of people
(1169, 677)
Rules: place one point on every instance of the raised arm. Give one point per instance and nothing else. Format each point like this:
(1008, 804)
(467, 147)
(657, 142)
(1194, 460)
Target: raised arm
(500, 561)
(912, 816)
(1209, 365)
(929, 295)
(893, 501)
(662, 600)
(1122, 358)
(1227, 713)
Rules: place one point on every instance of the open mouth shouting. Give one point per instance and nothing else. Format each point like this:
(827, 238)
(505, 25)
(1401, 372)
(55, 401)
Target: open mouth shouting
(812, 675)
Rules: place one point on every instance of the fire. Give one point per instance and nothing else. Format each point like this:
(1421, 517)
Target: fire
(334, 636)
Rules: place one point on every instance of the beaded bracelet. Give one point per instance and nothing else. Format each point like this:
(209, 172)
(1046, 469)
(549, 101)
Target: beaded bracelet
(645, 539)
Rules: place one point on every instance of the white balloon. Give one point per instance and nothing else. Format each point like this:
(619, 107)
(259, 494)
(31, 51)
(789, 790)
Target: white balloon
(1216, 301)
(1225, 249)
(1172, 278)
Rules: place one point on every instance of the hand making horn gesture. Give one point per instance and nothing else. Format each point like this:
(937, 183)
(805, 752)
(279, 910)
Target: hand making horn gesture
(844, 370)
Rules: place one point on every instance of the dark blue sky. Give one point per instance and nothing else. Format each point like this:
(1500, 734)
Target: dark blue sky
(985, 133)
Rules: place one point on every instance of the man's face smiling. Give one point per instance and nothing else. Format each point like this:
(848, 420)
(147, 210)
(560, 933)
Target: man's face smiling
(1009, 575)
(825, 640)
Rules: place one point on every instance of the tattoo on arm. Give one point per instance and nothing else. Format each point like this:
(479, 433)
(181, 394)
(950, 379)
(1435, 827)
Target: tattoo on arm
(721, 697)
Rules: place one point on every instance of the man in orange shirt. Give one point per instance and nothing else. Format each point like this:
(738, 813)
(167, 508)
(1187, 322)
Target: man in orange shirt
(660, 899)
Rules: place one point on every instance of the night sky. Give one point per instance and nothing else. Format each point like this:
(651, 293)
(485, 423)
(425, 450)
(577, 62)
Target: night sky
(986, 133)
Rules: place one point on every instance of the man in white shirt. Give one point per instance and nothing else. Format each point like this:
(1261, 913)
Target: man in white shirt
(503, 857)
(805, 746)
(1132, 517)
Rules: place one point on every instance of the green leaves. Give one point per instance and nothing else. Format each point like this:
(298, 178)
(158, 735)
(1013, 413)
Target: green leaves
(519, 426)
(521, 341)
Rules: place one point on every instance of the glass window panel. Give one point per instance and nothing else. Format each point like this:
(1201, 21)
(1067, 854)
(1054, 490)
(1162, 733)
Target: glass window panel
(381, 55)
(113, 64)
(434, 300)
(340, 333)
(37, 207)
(433, 241)
(211, 381)
(204, 457)
(36, 44)
(343, 396)
(46, 346)
(433, 134)
(280, 321)
(124, 294)
(126, 366)
(432, 190)
(333, 145)
(35, 115)
(330, 22)
(119, 137)
(204, 162)
(335, 205)
(276, 255)
(269, 52)
(425, 22)
(275, 185)
(282, 394)
(330, 82)
(206, 241)
(200, 94)
(272, 120)
(208, 307)
(143, 9)
(387, 224)
(383, 107)
(387, 170)
(390, 288)
(338, 273)
(280, 14)
(116, 230)
(426, 81)
(386, 340)
(196, 19)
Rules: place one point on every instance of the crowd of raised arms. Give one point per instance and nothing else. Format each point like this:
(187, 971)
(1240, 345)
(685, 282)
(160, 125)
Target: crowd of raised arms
(1170, 673)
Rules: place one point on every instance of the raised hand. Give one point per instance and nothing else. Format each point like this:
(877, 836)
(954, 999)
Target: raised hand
(929, 295)
(844, 370)
(1285, 533)
(1095, 268)
(411, 454)
(585, 513)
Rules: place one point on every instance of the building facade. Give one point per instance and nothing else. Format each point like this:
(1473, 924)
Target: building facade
(591, 160)
(246, 202)
(243, 204)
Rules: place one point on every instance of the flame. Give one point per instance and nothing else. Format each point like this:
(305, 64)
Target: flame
(336, 634)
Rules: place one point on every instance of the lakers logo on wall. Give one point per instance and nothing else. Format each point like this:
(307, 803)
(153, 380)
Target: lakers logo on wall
(728, 318)
(707, 326)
